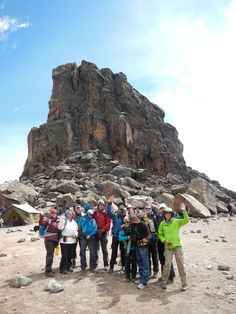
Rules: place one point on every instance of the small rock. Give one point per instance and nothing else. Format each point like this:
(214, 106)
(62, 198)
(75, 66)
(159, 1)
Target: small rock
(54, 287)
(207, 241)
(223, 267)
(225, 273)
(193, 220)
(34, 239)
(185, 232)
(230, 219)
(222, 237)
(223, 240)
(6, 298)
(21, 240)
(3, 255)
(206, 220)
(19, 230)
(205, 236)
(216, 240)
(199, 231)
(21, 281)
(209, 267)
(192, 231)
(230, 277)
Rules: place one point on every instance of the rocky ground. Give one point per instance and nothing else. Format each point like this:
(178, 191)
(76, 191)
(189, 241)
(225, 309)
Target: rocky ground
(206, 245)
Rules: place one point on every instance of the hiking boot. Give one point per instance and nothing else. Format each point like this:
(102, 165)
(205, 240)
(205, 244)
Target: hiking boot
(73, 263)
(122, 270)
(163, 285)
(49, 274)
(184, 287)
(159, 279)
(71, 270)
(111, 269)
(106, 268)
(154, 274)
(141, 286)
(127, 279)
(170, 281)
(92, 270)
(137, 281)
(63, 271)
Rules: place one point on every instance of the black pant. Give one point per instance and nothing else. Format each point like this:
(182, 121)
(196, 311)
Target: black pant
(153, 255)
(50, 247)
(102, 239)
(114, 249)
(67, 253)
(131, 265)
(90, 243)
(161, 250)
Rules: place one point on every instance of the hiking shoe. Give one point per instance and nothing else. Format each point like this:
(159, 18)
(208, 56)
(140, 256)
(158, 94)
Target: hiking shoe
(184, 287)
(122, 270)
(133, 279)
(141, 286)
(127, 279)
(106, 268)
(163, 285)
(159, 279)
(71, 270)
(170, 281)
(49, 274)
(137, 281)
(93, 270)
(154, 274)
(110, 271)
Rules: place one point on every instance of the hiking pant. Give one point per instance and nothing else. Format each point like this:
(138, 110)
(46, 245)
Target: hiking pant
(153, 255)
(161, 250)
(50, 247)
(178, 252)
(67, 254)
(103, 240)
(114, 249)
(90, 243)
(131, 265)
(143, 263)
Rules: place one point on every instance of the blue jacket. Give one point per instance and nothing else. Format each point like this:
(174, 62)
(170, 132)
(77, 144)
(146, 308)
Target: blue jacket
(88, 226)
(117, 220)
(123, 237)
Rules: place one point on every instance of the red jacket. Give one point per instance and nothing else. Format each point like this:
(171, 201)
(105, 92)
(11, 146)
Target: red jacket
(103, 221)
(51, 231)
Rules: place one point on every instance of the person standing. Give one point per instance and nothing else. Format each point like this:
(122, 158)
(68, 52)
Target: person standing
(69, 233)
(117, 219)
(88, 231)
(50, 224)
(168, 233)
(140, 235)
(160, 246)
(103, 223)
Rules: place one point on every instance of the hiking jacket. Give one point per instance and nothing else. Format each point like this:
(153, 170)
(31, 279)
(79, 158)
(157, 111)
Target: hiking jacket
(103, 221)
(123, 236)
(116, 219)
(51, 227)
(170, 231)
(140, 234)
(69, 231)
(88, 226)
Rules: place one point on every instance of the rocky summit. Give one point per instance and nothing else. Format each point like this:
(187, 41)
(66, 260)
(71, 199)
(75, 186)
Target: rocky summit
(96, 109)
(103, 138)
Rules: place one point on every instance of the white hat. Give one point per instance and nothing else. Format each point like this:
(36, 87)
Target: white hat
(168, 210)
(162, 205)
(101, 201)
(90, 211)
(129, 206)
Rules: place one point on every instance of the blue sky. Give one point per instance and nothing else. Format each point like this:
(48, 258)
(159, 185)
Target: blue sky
(180, 54)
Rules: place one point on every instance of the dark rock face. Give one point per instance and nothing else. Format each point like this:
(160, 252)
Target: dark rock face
(93, 109)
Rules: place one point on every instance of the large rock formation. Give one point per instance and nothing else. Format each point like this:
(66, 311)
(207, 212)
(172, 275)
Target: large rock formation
(97, 109)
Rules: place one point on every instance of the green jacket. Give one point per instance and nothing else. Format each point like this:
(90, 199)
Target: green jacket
(170, 231)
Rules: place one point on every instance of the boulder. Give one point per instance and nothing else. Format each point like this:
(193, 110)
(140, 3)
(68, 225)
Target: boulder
(54, 287)
(179, 188)
(195, 207)
(15, 192)
(21, 281)
(202, 190)
(129, 182)
(166, 198)
(110, 190)
(139, 201)
(221, 207)
(121, 171)
(68, 198)
(67, 186)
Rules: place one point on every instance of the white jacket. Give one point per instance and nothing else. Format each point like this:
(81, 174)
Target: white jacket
(69, 231)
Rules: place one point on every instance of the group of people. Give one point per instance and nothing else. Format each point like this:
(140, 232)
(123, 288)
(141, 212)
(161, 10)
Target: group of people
(144, 238)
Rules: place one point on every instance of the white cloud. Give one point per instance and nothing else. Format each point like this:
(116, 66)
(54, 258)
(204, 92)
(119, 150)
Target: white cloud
(12, 167)
(10, 24)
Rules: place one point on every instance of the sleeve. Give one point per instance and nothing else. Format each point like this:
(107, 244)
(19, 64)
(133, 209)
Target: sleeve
(185, 220)
(122, 237)
(94, 228)
(110, 212)
(161, 233)
(107, 225)
(62, 223)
